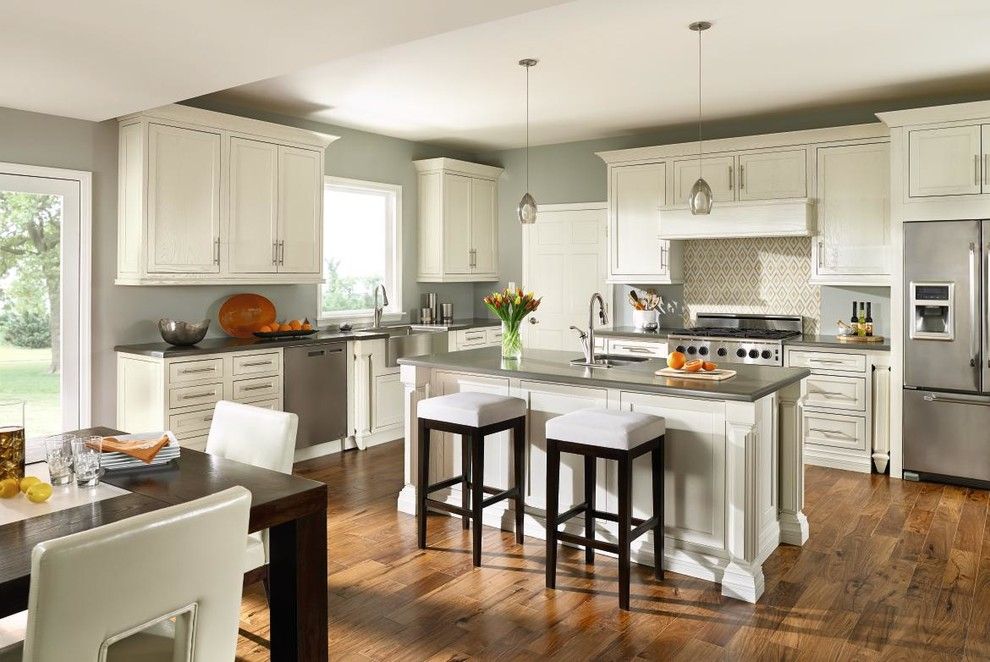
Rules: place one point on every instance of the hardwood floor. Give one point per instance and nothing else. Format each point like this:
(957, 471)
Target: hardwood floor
(893, 571)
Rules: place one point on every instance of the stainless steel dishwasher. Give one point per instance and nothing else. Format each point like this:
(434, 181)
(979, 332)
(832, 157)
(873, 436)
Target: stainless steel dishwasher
(316, 390)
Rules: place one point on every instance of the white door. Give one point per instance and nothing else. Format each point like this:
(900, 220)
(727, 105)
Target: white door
(253, 207)
(636, 194)
(944, 161)
(719, 172)
(564, 261)
(457, 247)
(853, 209)
(300, 210)
(773, 175)
(483, 227)
(183, 200)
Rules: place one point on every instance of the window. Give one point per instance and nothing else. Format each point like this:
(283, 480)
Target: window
(361, 247)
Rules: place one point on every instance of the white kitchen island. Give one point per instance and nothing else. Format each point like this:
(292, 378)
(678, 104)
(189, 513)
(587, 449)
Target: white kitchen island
(733, 462)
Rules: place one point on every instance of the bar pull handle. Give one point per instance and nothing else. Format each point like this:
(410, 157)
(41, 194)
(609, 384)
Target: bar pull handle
(976, 169)
(931, 397)
(821, 250)
(986, 310)
(974, 329)
(742, 178)
(189, 371)
(275, 253)
(730, 178)
(257, 387)
(317, 352)
(216, 251)
(193, 396)
(256, 363)
(281, 252)
(830, 433)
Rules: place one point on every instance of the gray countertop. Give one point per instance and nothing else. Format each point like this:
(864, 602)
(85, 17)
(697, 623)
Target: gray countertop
(833, 341)
(750, 384)
(221, 345)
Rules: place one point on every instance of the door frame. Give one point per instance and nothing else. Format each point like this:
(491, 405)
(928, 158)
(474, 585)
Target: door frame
(573, 206)
(83, 388)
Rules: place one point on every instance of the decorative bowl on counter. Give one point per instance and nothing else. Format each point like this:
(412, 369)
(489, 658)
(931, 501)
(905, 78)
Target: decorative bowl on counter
(182, 334)
(243, 314)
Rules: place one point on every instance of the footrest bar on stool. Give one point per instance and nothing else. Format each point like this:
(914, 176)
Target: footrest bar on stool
(568, 514)
(456, 480)
(499, 496)
(604, 546)
(447, 507)
(648, 525)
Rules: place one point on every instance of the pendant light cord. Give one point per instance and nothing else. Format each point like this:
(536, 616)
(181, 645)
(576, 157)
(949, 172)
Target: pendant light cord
(699, 106)
(527, 128)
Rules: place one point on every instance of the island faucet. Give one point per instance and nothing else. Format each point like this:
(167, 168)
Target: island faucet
(588, 338)
(379, 309)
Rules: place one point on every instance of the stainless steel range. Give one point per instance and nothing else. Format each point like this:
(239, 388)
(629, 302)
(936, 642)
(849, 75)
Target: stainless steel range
(754, 339)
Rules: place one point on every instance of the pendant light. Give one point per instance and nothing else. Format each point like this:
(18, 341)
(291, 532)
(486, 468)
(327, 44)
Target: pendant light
(700, 198)
(527, 206)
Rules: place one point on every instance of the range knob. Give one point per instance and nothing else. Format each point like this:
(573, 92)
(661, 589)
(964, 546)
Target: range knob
(692, 350)
(766, 354)
(741, 353)
(703, 351)
(753, 354)
(680, 348)
(721, 351)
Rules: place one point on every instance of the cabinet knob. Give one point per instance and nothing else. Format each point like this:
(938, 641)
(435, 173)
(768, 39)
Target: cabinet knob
(533, 320)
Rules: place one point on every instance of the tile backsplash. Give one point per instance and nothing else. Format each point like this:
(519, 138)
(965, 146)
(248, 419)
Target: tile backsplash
(758, 275)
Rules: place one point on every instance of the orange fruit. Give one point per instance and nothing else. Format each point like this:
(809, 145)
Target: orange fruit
(285, 327)
(265, 329)
(295, 325)
(676, 360)
(693, 366)
(306, 326)
(708, 366)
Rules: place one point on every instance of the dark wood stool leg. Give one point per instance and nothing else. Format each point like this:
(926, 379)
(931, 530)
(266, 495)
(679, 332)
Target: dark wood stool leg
(625, 528)
(465, 476)
(590, 480)
(422, 482)
(658, 487)
(519, 462)
(477, 494)
(553, 489)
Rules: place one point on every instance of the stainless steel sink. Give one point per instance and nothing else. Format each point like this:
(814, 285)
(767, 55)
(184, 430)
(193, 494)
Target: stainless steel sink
(608, 361)
(404, 340)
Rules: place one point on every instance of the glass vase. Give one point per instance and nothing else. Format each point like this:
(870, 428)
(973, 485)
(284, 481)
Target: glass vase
(511, 340)
(11, 439)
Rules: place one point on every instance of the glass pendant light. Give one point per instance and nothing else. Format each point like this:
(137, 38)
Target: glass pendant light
(700, 198)
(527, 206)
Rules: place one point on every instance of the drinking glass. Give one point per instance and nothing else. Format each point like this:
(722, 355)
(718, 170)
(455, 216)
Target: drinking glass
(86, 454)
(58, 454)
(11, 439)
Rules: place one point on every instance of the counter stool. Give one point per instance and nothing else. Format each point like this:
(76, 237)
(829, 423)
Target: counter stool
(612, 435)
(473, 416)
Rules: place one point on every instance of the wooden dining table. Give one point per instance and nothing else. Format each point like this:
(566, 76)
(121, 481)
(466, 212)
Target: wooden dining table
(293, 509)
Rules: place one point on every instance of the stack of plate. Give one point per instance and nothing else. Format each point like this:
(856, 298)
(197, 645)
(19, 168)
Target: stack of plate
(122, 461)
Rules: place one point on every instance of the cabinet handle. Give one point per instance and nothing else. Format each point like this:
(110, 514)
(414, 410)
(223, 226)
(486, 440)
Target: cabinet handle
(191, 371)
(207, 419)
(730, 178)
(742, 178)
(825, 361)
(985, 168)
(191, 396)
(821, 250)
(281, 252)
(976, 169)
(254, 363)
(829, 395)
(275, 253)
(831, 433)
(216, 251)
(256, 387)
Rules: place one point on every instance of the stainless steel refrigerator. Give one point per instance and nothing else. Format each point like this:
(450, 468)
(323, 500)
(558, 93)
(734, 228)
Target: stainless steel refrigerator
(947, 352)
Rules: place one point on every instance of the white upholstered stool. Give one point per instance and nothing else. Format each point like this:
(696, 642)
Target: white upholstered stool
(473, 416)
(612, 435)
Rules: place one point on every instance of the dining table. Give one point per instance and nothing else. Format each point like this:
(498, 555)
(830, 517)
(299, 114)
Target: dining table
(293, 509)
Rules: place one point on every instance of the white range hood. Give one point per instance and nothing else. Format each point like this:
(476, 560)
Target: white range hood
(733, 220)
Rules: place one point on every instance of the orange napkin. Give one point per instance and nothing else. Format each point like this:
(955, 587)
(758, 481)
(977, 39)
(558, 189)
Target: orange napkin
(142, 449)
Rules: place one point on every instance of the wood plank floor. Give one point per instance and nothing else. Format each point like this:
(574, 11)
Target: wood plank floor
(893, 571)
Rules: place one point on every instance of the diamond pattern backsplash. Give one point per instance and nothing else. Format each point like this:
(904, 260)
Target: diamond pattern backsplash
(759, 275)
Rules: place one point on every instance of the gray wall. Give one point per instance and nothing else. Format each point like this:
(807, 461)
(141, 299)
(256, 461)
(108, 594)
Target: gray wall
(837, 305)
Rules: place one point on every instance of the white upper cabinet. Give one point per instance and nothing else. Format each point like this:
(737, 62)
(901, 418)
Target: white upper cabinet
(945, 161)
(773, 175)
(719, 172)
(183, 200)
(208, 198)
(637, 254)
(853, 242)
(458, 221)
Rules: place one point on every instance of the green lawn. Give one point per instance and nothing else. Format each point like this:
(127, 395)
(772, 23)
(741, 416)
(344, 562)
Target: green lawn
(24, 376)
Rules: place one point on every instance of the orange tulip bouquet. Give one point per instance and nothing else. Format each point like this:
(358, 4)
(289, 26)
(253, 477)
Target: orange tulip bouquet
(511, 306)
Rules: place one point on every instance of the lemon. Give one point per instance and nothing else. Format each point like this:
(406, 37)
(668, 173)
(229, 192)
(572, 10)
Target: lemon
(28, 481)
(8, 488)
(39, 492)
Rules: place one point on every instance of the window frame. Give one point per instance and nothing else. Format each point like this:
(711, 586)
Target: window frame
(393, 247)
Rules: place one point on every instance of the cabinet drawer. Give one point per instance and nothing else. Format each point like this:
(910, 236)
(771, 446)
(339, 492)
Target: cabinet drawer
(259, 387)
(189, 396)
(196, 443)
(834, 392)
(471, 338)
(268, 403)
(184, 372)
(255, 364)
(848, 432)
(190, 422)
(827, 361)
(494, 335)
(626, 347)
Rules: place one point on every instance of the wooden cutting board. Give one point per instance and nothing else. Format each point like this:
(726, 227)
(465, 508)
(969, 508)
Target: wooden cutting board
(716, 375)
(860, 339)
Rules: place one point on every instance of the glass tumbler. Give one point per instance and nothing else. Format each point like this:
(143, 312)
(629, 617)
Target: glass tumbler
(58, 454)
(11, 439)
(86, 455)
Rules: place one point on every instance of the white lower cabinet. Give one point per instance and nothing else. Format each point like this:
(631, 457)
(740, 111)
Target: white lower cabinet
(846, 412)
(180, 393)
(376, 395)
(482, 336)
(635, 347)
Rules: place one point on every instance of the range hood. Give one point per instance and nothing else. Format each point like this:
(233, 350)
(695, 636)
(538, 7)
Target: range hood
(734, 220)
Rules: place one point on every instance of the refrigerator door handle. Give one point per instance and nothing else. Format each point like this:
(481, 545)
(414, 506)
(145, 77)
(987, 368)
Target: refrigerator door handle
(931, 397)
(986, 312)
(974, 317)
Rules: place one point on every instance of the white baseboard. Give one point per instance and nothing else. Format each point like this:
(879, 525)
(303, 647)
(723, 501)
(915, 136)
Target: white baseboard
(331, 447)
(862, 463)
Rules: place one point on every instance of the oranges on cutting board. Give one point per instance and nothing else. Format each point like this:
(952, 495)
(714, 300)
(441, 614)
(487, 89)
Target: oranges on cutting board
(678, 361)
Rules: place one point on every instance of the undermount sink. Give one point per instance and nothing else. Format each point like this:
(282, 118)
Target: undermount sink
(404, 341)
(608, 361)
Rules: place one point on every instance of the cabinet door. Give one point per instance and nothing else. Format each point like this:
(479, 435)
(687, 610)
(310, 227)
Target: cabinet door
(773, 175)
(457, 247)
(636, 195)
(853, 210)
(484, 238)
(253, 210)
(944, 161)
(387, 408)
(300, 210)
(183, 200)
(719, 172)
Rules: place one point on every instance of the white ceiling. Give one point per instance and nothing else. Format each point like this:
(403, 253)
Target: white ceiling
(609, 67)
(97, 59)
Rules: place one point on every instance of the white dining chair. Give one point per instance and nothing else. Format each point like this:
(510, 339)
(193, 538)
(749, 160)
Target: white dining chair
(153, 587)
(262, 438)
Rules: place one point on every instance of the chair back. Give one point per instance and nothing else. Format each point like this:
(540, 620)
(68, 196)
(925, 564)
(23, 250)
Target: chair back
(93, 588)
(253, 435)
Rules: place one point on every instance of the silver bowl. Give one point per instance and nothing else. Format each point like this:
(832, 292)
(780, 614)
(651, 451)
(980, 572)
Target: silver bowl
(182, 333)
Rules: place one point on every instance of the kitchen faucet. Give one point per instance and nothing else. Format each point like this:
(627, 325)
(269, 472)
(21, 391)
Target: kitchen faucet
(380, 309)
(588, 338)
